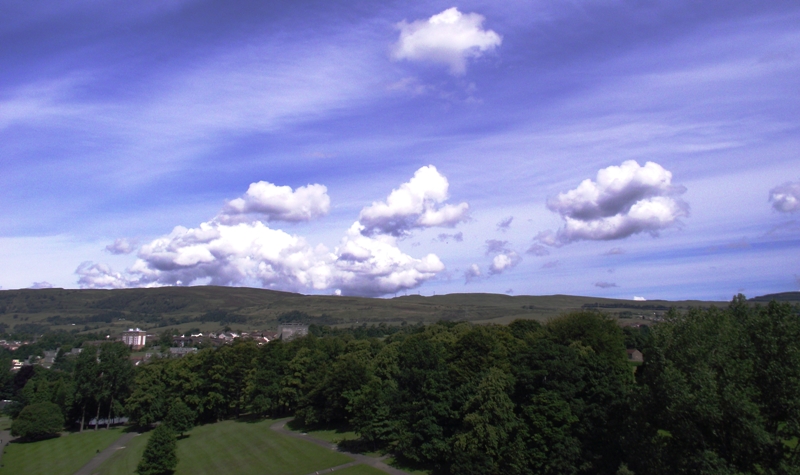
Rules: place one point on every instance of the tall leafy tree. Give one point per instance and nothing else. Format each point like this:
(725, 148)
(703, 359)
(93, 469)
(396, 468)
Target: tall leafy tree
(180, 418)
(86, 376)
(148, 402)
(116, 372)
(490, 441)
(719, 392)
(159, 457)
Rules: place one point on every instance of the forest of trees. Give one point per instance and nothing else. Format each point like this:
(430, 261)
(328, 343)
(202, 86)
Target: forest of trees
(718, 392)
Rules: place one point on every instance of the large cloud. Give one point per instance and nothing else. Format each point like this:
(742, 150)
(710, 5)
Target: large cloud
(450, 37)
(250, 253)
(416, 204)
(268, 202)
(376, 266)
(625, 200)
(786, 198)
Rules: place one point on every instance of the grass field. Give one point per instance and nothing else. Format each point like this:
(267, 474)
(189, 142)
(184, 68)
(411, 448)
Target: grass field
(360, 470)
(333, 435)
(5, 423)
(124, 461)
(243, 448)
(248, 448)
(61, 456)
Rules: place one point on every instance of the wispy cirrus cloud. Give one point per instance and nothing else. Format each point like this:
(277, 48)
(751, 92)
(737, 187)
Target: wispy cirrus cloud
(605, 285)
(504, 224)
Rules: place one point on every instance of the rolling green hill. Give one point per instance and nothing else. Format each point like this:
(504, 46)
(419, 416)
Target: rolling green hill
(210, 308)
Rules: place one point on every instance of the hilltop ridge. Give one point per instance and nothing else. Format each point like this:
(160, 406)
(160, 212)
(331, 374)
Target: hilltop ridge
(209, 307)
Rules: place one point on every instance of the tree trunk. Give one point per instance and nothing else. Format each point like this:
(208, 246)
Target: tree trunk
(97, 417)
(108, 419)
(83, 415)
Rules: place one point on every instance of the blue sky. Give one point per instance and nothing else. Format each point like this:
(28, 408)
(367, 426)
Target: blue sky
(608, 148)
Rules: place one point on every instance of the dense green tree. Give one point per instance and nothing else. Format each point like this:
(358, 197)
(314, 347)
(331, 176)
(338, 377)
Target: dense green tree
(720, 393)
(490, 440)
(116, 377)
(38, 421)
(159, 457)
(425, 416)
(180, 418)
(148, 402)
(556, 370)
(86, 377)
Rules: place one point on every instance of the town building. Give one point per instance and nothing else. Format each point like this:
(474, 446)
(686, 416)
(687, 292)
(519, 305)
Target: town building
(290, 331)
(134, 338)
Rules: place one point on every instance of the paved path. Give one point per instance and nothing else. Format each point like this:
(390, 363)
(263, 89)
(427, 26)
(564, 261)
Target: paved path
(360, 459)
(120, 443)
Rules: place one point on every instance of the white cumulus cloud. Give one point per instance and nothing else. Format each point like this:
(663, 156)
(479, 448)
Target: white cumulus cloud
(100, 276)
(450, 37)
(503, 262)
(786, 197)
(504, 257)
(268, 202)
(375, 266)
(251, 253)
(624, 200)
(416, 204)
(121, 246)
(41, 285)
(472, 273)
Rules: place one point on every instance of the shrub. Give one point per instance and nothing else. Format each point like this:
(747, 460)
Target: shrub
(38, 421)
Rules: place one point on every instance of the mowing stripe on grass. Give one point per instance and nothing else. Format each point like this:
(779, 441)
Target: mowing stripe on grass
(247, 448)
(61, 456)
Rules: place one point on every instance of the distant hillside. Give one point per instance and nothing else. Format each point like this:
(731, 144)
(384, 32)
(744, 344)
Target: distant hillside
(781, 297)
(207, 308)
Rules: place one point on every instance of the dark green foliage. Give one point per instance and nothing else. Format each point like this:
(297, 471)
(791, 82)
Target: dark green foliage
(720, 393)
(159, 457)
(637, 337)
(38, 421)
(180, 418)
(296, 316)
(147, 404)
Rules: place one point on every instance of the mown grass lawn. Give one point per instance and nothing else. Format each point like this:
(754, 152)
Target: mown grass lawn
(124, 461)
(333, 434)
(242, 448)
(61, 456)
(246, 448)
(360, 470)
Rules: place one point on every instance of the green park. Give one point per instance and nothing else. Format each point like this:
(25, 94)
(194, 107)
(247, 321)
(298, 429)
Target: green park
(706, 389)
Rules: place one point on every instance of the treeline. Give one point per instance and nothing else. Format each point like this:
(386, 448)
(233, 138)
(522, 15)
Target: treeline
(718, 393)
